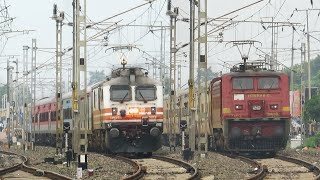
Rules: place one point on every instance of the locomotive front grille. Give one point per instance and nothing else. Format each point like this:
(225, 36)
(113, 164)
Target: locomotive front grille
(259, 144)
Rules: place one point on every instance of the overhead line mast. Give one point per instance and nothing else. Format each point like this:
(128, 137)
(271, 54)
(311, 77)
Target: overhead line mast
(79, 84)
(33, 89)
(192, 109)
(173, 34)
(59, 115)
(202, 108)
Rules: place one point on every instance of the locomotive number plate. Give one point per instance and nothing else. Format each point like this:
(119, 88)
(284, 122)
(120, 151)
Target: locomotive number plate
(238, 97)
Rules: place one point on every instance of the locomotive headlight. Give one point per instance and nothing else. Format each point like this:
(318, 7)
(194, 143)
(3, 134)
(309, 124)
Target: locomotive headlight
(133, 110)
(114, 111)
(278, 131)
(273, 106)
(256, 108)
(153, 110)
(236, 132)
(239, 107)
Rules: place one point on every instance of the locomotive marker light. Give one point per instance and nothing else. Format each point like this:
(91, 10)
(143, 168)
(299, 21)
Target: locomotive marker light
(114, 111)
(274, 106)
(239, 107)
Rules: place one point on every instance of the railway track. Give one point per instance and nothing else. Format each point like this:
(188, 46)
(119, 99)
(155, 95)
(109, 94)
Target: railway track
(259, 171)
(282, 167)
(159, 167)
(21, 170)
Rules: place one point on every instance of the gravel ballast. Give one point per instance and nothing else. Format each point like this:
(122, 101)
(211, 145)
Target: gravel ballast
(214, 165)
(104, 167)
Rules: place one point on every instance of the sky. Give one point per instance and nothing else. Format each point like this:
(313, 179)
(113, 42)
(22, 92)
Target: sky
(36, 15)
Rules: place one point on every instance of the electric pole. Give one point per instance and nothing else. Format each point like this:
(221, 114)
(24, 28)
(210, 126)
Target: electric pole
(9, 112)
(33, 90)
(202, 109)
(162, 63)
(79, 84)
(292, 57)
(309, 61)
(25, 98)
(16, 95)
(59, 115)
(192, 109)
(173, 49)
(302, 93)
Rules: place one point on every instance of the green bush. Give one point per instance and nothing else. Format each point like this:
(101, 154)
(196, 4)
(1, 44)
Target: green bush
(312, 142)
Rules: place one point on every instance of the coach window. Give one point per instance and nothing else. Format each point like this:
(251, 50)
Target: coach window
(120, 93)
(242, 83)
(268, 83)
(146, 93)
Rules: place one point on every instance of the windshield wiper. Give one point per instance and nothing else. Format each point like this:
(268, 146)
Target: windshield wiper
(124, 97)
(272, 84)
(144, 100)
(240, 85)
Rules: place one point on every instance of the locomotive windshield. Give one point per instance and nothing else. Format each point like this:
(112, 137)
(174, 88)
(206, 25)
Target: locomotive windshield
(146, 93)
(242, 83)
(268, 83)
(120, 93)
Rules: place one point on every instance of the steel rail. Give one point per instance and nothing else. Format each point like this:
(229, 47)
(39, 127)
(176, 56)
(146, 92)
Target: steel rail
(190, 169)
(138, 174)
(310, 166)
(23, 167)
(260, 172)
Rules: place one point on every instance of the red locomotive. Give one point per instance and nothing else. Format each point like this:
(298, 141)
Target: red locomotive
(250, 109)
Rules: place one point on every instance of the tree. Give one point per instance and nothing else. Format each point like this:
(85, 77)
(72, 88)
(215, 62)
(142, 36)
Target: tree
(3, 91)
(210, 74)
(96, 76)
(311, 109)
(315, 73)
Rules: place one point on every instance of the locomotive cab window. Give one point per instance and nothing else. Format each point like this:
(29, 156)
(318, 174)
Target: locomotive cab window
(268, 83)
(120, 93)
(242, 83)
(146, 93)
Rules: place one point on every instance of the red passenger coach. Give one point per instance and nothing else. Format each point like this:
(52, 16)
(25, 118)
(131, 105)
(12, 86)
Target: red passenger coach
(250, 110)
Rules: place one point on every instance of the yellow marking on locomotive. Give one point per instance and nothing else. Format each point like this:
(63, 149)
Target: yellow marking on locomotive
(259, 95)
(273, 114)
(286, 108)
(226, 110)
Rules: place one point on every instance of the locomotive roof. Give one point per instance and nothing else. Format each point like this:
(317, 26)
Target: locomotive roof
(254, 73)
(121, 76)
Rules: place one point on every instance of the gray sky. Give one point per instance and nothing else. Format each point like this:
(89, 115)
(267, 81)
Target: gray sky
(35, 15)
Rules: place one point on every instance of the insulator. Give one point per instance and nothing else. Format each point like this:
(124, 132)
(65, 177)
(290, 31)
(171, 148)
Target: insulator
(176, 10)
(54, 10)
(62, 15)
(169, 5)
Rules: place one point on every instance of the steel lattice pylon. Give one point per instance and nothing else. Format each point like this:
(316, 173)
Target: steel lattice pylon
(59, 115)
(203, 124)
(79, 84)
